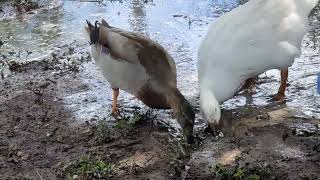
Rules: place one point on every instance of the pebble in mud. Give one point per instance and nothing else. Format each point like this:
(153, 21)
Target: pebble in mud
(22, 155)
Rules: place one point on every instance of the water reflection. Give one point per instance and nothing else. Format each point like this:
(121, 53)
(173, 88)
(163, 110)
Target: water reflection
(36, 33)
(137, 18)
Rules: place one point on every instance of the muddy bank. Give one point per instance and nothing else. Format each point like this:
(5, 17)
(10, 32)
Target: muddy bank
(41, 135)
(273, 144)
(54, 112)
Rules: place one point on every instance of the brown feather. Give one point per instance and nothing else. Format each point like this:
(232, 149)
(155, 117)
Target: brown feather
(151, 55)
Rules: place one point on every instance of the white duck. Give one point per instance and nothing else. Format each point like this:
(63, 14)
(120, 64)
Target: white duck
(251, 39)
(142, 67)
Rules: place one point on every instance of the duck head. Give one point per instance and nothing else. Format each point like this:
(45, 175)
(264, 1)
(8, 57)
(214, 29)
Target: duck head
(93, 32)
(185, 117)
(210, 108)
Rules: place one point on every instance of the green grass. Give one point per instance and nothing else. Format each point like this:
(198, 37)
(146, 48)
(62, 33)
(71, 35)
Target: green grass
(254, 177)
(88, 167)
(103, 133)
(126, 122)
(221, 172)
(224, 172)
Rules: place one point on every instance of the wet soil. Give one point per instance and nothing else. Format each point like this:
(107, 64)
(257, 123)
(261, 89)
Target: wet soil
(42, 138)
(55, 110)
(273, 144)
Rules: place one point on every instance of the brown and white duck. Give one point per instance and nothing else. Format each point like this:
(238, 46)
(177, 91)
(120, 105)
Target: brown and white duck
(142, 67)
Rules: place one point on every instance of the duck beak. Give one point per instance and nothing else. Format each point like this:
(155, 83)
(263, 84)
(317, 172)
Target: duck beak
(89, 24)
(214, 129)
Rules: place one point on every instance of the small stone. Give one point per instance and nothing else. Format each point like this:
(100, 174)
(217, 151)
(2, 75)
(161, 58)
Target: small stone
(60, 163)
(87, 131)
(20, 153)
(221, 134)
(48, 134)
(59, 139)
(25, 157)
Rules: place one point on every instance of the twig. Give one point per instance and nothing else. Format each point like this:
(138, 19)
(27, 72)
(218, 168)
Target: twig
(39, 175)
(1, 72)
(28, 53)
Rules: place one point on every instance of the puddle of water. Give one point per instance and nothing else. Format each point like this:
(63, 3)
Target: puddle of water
(178, 25)
(306, 129)
(289, 152)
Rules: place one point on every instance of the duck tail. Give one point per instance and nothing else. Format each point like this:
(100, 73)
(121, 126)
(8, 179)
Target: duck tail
(105, 24)
(184, 114)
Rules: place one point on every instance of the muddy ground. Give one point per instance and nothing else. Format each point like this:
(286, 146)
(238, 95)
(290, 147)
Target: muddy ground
(42, 139)
(45, 136)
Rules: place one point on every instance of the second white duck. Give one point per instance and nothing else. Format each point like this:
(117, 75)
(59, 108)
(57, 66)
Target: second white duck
(251, 39)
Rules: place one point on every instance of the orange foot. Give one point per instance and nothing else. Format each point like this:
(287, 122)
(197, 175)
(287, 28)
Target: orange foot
(115, 112)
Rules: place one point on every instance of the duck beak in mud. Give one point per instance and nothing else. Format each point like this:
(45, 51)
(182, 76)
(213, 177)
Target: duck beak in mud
(214, 129)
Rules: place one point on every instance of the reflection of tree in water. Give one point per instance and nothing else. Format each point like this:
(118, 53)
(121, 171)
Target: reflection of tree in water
(47, 26)
(137, 18)
(36, 33)
(315, 25)
(219, 7)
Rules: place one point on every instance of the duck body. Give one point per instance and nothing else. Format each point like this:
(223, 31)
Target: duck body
(130, 75)
(141, 67)
(251, 39)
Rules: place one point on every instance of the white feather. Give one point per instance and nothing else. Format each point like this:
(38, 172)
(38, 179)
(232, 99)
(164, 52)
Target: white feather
(120, 73)
(255, 37)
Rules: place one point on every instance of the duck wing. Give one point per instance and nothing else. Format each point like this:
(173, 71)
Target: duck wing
(137, 49)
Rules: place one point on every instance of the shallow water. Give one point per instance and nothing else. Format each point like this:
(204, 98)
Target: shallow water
(178, 25)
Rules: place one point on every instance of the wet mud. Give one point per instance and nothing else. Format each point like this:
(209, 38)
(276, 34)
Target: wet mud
(55, 104)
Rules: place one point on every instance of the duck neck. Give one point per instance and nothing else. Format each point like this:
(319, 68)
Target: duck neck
(183, 112)
(209, 105)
